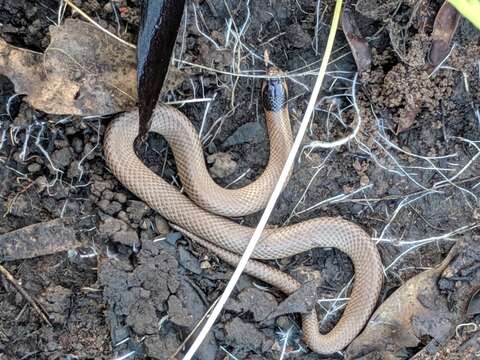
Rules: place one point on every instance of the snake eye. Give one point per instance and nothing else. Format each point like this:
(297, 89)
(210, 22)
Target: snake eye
(274, 94)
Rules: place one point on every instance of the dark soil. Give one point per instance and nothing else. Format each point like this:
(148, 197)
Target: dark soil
(134, 286)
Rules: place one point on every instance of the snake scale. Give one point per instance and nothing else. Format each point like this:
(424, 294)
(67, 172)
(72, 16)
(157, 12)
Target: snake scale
(203, 214)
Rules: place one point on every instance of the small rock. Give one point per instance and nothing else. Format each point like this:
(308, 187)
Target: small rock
(118, 231)
(245, 334)
(143, 319)
(33, 168)
(113, 208)
(100, 186)
(364, 180)
(173, 237)
(103, 204)
(188, 261)
(88, 151)
(120, 197)
(56, 302)
(161, 225)
(205, 264)
(252, 132)
(136, 210)
(77, 145)
(53, 346)
(41, 184)
(284, 322)
(259, 303)
(144, 225)
(298, 37)
(108, 8)
(223, 165)
(70, 130)
(107, 194)
(122, 215)
(177, 313)
(160, 346)
(62, 157)
(73, 170)
(301, 301)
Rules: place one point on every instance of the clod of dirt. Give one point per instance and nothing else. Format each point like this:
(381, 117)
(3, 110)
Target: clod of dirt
(376, 9)
(62, 157)
(301, 301)
(425, 311)
(257, 302)
(223, 164)
(252, 133)
(403, 92)
(246, 335)
(118, 231)
(56, 302)
(136, 210)
(161, 225)
(300, 39)
(188, 261)
(154, 300)
(38, 240)
(82, 72)
(159, 347)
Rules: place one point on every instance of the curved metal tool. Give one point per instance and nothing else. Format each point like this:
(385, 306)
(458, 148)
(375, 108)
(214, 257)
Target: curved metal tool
(159, 23)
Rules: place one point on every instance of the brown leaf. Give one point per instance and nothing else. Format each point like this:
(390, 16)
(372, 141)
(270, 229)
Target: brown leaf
(359, 46)
(38, 240)
(418, 310)
(444, 28)
(83, 72)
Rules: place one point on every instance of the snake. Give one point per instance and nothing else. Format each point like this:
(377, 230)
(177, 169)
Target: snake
(203, 209)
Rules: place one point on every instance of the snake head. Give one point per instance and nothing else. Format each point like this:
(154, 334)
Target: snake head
(274, 90)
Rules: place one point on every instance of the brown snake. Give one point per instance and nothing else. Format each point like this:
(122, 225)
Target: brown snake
(200, 215)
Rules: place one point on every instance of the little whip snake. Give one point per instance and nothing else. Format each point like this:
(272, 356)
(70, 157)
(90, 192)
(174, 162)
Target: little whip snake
(201, 215)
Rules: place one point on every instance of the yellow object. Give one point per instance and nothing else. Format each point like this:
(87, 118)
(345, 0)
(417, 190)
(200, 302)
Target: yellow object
(470, 9)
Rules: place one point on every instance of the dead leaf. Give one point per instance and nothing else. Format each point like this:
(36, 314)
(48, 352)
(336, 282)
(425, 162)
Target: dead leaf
(39, 240)
(474, 304)
(83, 72)
(359, 46)
(413, 316)
(444, 28)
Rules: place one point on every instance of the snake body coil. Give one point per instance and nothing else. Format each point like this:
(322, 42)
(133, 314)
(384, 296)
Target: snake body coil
(201, 214)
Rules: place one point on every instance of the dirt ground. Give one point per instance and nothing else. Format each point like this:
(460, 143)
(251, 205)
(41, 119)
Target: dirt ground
(137, 289)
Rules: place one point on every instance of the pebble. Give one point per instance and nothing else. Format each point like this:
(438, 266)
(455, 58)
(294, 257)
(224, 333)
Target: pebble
(107, 194)
(223, 164)
(136, 210)
(122, 215)
(252, 132)
(188, 261)
(62, 157)
(298, 37)
(77, 145)
(245, 334)
(364, 180)
(111, 208)
(259, 303)
(33, 168)
(120, 197)
(98, 187)
(161, 225)
(70, 130)
(118, 231)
